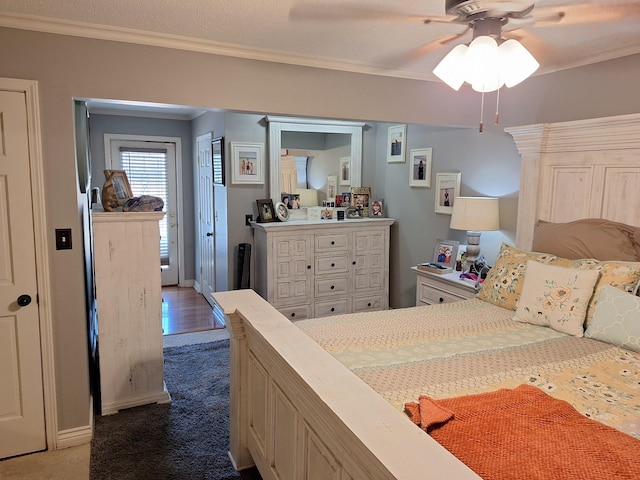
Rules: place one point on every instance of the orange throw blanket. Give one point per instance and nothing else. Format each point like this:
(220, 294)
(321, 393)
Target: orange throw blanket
(526, 434)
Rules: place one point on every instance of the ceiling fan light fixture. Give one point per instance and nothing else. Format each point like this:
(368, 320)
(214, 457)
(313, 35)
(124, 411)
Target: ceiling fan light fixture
(452, 69)
(483, 64)
(517, 64)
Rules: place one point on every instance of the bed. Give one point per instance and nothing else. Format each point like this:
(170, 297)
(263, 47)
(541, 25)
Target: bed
(309, 404)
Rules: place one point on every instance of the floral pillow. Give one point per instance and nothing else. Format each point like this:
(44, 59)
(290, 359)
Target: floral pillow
(556, 297)
(504, 281)
(616, 319)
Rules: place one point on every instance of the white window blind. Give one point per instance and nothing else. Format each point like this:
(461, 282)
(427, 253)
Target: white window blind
(147, 173)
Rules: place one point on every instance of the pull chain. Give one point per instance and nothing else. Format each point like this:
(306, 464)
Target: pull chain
(481, 114)
(497, 104)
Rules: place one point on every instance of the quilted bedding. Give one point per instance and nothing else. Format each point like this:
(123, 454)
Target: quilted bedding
(473, 346)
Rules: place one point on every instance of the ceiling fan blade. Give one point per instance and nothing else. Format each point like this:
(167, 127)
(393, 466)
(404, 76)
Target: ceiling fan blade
(584, 13)
(340, 12)
(423, 50)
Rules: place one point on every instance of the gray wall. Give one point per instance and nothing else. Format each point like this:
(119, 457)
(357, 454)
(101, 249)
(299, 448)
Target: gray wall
(68, 67)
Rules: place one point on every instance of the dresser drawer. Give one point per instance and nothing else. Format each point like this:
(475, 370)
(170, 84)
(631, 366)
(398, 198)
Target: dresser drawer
(371, 302)
(332, 242)
(331, 286)
(334, 264)
(296, 312)
(332, 307)
(430, 294)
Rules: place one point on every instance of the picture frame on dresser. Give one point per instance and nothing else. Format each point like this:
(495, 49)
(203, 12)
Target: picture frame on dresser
(445, 253)
(360, 199)
(266, 212)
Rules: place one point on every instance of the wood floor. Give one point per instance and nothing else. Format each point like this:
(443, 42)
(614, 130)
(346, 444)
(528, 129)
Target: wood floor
(184, 310)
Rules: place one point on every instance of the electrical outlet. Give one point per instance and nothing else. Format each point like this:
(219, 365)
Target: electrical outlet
(248, 218)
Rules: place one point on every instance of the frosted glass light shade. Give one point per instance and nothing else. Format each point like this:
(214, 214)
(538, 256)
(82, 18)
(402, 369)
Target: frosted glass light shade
(485, 65)
(517, 63)
(480, 214)
(452, 69)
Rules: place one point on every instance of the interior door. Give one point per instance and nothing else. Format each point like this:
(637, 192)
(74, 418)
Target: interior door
(22, 424)
(206, 230)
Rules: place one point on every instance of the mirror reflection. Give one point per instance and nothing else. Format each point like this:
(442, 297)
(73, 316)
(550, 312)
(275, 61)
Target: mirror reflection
(313, 160)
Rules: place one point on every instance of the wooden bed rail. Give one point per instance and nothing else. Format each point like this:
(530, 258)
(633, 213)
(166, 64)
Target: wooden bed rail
(297, 413)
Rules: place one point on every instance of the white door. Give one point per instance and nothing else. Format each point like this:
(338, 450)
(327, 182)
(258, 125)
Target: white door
(151, 170)
(22, 427)
(206, 226)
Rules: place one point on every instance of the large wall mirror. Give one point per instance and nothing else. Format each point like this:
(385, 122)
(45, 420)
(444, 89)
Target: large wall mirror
(304, 153)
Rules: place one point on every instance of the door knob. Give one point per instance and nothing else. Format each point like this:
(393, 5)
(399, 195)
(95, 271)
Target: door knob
(209, 234)
(24, 300)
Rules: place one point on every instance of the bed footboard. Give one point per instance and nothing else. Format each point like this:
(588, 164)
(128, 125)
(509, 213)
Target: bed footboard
(297, 413)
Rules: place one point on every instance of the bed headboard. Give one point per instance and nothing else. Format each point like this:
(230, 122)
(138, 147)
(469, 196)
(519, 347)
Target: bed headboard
(578, 169)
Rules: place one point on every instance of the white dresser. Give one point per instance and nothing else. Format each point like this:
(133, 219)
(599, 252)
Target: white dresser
(312, 269)
(129, 308)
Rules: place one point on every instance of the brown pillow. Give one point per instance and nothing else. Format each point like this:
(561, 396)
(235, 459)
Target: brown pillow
(589, 238)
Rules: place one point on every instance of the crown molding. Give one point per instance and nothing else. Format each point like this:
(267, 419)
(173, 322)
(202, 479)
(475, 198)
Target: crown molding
(154, 39)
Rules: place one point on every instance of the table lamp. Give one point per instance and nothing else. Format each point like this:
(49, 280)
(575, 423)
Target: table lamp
(475, 215)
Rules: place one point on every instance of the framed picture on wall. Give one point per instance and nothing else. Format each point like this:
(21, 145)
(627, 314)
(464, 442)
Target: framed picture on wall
(447, 189)
(247, 163)
(396, 143)
(420, 167)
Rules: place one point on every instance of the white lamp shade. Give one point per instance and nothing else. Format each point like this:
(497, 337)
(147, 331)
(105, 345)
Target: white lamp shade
(483, 63)
(481, 214)
(516, 63)
(452, 69)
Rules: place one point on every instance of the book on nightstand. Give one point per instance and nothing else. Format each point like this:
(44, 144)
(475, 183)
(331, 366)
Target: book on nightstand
(434, 268)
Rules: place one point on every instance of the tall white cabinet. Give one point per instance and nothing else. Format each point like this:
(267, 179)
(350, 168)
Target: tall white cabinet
(312, 269)
(126, 249)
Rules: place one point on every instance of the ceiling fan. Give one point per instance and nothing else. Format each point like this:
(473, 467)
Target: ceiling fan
(494, 18)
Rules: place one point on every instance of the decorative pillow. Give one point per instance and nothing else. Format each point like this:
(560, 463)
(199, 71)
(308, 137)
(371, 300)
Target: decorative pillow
(556, 297)
(616, 319)
(588, 238)
(504, 281)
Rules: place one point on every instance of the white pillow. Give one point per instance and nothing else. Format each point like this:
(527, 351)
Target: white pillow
(556, 297)
(616, 319)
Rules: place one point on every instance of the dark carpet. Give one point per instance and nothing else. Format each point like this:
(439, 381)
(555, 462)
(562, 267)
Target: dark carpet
(186, 439)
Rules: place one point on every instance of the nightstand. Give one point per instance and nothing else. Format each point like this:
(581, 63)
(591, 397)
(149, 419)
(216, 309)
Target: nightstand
(434, 288)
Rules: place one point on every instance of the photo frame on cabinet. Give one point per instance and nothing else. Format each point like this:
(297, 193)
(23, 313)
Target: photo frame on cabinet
(446, 253)
(247, 163)
(420, 167)
(396, 144)
(360, 200)
(282, 212)
(266, 212)
(376, 208)
(120, 183)
(217, 160)
(447, 189)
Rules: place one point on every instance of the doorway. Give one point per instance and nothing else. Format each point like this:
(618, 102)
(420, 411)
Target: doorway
(151, 166)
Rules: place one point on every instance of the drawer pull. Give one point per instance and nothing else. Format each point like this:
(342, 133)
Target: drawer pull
(333, 264)
(353, 263)
(308, 267)
(293, 314)
(333, 309)
(441, 300)
(369, 304)
(332, 287)
(333, 242)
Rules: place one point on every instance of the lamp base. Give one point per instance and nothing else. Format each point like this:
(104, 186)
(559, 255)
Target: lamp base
(473, 246)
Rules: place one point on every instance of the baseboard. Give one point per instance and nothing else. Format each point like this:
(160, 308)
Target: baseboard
(74, 437)
(187, 283)
(196, 286)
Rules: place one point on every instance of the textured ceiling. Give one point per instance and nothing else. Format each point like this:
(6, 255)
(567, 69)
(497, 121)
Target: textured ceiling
(374, 36)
